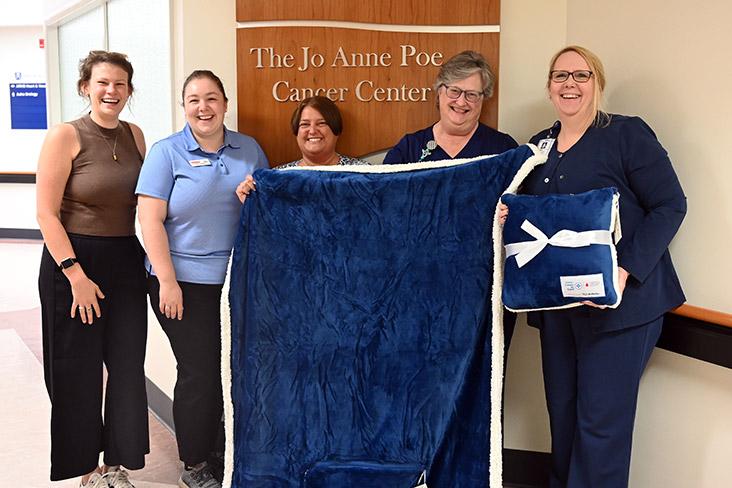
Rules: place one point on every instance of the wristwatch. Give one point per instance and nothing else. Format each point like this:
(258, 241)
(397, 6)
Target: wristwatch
(67, 263)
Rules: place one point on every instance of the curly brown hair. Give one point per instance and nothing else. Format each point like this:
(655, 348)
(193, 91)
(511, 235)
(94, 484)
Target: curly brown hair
(97, 57)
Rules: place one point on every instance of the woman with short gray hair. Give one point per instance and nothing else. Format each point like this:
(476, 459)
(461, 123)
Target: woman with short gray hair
(464, 82)
(463, 65)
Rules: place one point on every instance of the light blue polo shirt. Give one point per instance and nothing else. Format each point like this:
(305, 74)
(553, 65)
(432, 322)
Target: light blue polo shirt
(203, 209)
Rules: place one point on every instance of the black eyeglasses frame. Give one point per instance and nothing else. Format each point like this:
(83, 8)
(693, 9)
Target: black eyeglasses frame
(567, 74)
(467, 93)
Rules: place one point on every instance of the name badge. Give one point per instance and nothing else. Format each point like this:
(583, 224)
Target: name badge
(199, 162)
(545, 145)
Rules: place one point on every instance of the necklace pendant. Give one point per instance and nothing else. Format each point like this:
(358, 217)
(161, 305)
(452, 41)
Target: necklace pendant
(114, 156)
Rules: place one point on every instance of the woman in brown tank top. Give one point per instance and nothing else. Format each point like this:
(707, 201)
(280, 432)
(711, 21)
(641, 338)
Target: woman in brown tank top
(92, 282)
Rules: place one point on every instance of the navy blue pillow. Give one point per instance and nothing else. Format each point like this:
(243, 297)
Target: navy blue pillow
(560, 250)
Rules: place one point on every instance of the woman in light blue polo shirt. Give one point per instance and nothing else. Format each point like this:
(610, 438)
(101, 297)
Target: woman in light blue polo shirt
(188, 212)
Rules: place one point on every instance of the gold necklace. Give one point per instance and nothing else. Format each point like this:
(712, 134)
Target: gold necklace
(111, 148)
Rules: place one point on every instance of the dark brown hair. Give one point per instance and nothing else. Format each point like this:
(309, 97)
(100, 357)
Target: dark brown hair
(203, 73)
(96, 57)
(327, 109)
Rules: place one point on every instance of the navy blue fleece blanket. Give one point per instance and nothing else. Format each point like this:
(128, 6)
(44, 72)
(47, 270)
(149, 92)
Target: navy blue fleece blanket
(365, 343)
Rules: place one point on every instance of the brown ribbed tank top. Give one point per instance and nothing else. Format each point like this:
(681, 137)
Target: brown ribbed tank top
(99, 198)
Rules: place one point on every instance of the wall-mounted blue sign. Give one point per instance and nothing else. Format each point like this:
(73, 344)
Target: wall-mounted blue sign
(28, 106)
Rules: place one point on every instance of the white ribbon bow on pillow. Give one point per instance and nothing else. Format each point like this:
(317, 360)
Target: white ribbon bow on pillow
(528, 250)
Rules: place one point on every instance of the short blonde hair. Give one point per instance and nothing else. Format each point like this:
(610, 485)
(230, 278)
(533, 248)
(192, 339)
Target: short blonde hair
(598, 72)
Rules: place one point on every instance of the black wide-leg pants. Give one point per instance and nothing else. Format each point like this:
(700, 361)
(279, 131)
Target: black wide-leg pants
(74, 354)
(196, 342)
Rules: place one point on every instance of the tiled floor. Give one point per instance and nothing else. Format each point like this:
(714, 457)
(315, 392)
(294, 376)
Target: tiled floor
(24, 404)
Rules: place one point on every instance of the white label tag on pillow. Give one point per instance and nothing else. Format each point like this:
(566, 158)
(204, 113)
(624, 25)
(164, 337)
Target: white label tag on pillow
(582, 286)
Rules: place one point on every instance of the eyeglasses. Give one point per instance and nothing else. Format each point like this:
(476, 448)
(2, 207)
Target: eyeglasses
(455, 92)
(580, 76)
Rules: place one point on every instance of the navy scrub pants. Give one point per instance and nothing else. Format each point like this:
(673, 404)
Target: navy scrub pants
(591, 382)
(198, 403)
(74, 354)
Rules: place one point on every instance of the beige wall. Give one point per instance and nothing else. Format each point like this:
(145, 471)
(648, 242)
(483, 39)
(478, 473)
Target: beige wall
(683, 430)
(530, 33)
(668, 61)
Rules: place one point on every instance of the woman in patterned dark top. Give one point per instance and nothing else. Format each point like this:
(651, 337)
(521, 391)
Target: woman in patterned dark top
(316, 123)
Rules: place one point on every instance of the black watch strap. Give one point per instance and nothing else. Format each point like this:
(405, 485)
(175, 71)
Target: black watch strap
(67, 263)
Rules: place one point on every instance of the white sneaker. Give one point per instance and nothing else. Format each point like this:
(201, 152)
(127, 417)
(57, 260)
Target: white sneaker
(198, 478)
(96, 480)
(118, 478)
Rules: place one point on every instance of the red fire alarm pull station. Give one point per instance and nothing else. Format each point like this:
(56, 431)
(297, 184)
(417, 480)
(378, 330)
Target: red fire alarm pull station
(41, 43)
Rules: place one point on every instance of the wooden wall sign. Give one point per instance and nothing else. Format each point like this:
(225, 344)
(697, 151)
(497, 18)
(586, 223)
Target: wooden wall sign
(423, 12)
(380, 76)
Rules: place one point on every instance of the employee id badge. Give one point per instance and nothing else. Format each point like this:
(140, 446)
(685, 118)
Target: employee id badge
(199, 162)
(545, 145)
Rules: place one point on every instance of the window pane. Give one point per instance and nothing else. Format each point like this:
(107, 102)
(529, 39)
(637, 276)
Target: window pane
(141, 29)
(75, 39)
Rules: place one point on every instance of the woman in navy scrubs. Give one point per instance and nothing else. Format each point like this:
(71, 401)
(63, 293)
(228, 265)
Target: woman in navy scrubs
(592, 357)
(464, 82)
